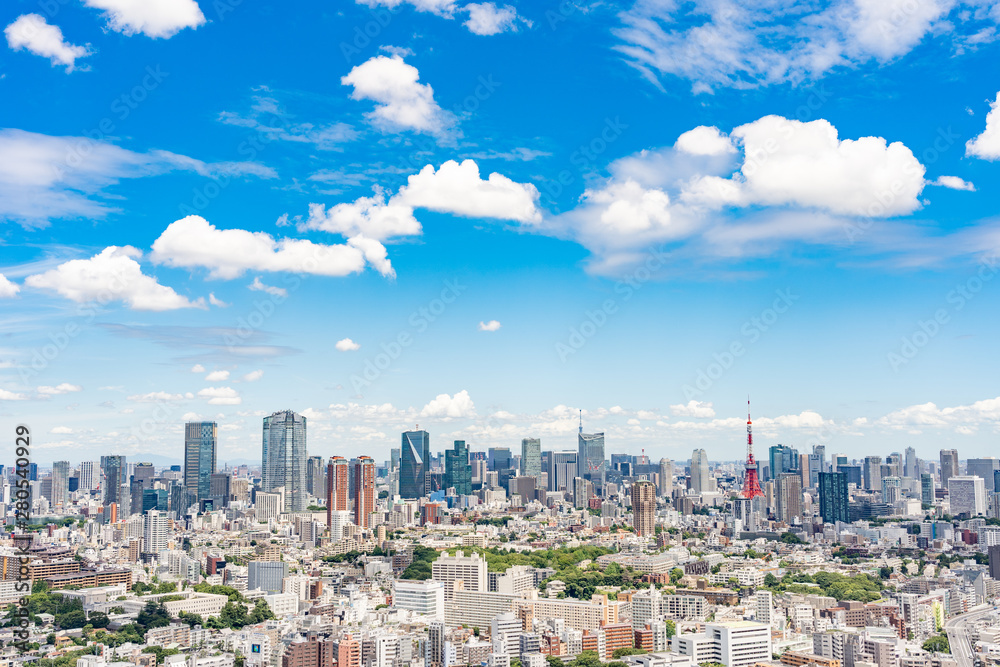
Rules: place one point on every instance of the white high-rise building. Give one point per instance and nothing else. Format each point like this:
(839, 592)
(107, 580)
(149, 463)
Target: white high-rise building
(505, 630)
(154, 532)
(470, 570)
(267, 506)
(422, 597)
(967, 495)
(89, 473)
(764, 607)
(733, 643)
(666, 477)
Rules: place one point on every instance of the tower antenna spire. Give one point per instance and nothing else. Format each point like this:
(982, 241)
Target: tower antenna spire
(581, 420)
(751, 482)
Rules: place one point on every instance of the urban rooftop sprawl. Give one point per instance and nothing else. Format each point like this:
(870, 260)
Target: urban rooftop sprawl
(504, 557)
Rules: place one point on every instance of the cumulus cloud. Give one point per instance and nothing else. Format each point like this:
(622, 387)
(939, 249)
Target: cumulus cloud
(704, 140)
(987, 144)
(193, 242)
(253, 376)
(220, 396)
(347, 345)
(6, 395)
(44, 177)
(401, 102)
(33, 33)
(788, 162)
(61, 430)
(197, 368)
(8, 290)
(492, 325)
(258, 286)
(693, 409)
(153, 18)
(485, 18)
(450, 407)
(112, 275)
(953, 183)
(373, 217)
(458, 189)
(217, 376)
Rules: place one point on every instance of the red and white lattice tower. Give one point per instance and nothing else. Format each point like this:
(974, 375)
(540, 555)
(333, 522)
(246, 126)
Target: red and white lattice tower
(751, 482)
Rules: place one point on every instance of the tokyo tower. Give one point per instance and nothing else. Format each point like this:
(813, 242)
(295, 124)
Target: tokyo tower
(751, 482)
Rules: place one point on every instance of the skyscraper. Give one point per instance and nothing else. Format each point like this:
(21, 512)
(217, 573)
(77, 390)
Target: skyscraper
(531, 458)
(143, 472)
(873, 473)
(364, 490)
(284, 458)
(562, 471)
(967, 495)
(414, 464)
(200, 442)
(315, 476)
(994, 558)
(458, 469)
(337, 487)
(644, 508)
(782, 459)
(833, 497)
(60, 483)
(89, 479)
(910, 466)
(949, 465)
(114, 485)
(927, 488)
(590, 463)
(891, 487)
(982, 468)
(154, 532)
(666, 477)
(700, 479)
(788, 496)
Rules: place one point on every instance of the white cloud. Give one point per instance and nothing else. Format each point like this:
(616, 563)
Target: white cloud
(159, 397)
(492, 325)
(704, 140)
(913, 417)
(371, 216)
(954, 183)
(8, 290)
(347, 345)
(197, 368)
(258, 286)
(253, 376)
(450, 407)
(44, 177)
(33, 32)
(458, 189)
(220, 396)
(193, 242)
(788, 162)
(58, 390)
(267, 117)
(485, 18)
(445, 8)
(62, 430)
(153, 18)
(11, 396)
(715, 43)
(693, 409)
(402, 102)
(217, 376)
(112, 275)
(987, 144)
(218, 303)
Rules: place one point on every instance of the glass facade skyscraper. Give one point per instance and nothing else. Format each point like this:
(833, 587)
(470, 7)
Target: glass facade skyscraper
(782, 459)
(457, 469)
(590, 462)
(200, 446)
(531, 457)
(284, 458)
(833, 497)
(414, 464)
(114, 483)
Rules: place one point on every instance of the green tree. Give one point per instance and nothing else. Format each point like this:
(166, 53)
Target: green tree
(938, 644)
(675, 575)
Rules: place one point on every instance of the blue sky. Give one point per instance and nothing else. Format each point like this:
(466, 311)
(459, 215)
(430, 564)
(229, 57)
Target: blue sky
(642, 210)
